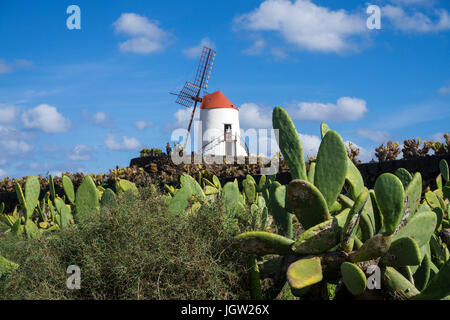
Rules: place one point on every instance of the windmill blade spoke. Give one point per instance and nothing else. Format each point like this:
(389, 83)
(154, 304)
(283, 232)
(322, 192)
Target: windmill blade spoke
(204, 68)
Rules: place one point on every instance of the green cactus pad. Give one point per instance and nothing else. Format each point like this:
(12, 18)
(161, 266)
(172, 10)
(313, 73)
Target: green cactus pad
(404, 176)
(189, 182)
(439, 286)
(249, 190)
(352, 222)
(422, 274)
(51, 186)
(446, 191)
(373, 248)
(31, 230)
(403, 252)
(179, 202)
(321, 237)
(262, 183)
(439, 251)
(366, 222)
(420, 228)
(311, 172)
(86, 199)
(331, 167)
(354, 178)
(353, 278)
(20, 195)
(211, 190)
(432, 199)
(336, 207)
(304, 273)
(345, 201)
(324, 128)
(390, 196)
(32, 191)
(255, 281)
(397, 284)
(64, 213)
(378, 217)
(262, 243)
(123, 185)
(250, 178)
(231, 198)
(439, 181)
(281, 217)
(308, 203)
(289, 143)
(68, 189)
(108, 197)
(443, 166)
(413, 193)
(216, 182)
(439, 215)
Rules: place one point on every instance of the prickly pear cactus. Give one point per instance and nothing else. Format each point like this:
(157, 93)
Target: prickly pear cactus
(289, 143)
(86, 200)
(350, 230)
(68, 189)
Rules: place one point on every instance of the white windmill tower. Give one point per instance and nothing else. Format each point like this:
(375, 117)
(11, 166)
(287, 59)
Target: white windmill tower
(220, 134)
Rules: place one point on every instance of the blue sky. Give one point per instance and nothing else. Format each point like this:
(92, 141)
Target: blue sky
(90, 99)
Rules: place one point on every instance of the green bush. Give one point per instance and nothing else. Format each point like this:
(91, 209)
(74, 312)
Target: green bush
(151, 152)
(132, 250)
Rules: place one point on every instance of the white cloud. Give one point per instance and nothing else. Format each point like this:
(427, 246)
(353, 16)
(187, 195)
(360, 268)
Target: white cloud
(305, 24)
(253, 116)
(373, 135)
(142, 125)
(15, 146)
(99, 117)
(126, 143)
(8, 113)
(445, 90)
(182, 117)
(23, 63)
(18, 63)
(416, 21)
(195, 52)
(5, 68)
(80, 152)
(146, 36)
(45, 118)
(346, 109)
(2, 173)
(256, 48)
(310, 144)
(140, 45)
(412, 2)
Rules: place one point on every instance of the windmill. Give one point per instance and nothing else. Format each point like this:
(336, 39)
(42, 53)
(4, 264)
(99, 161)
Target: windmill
(191, 92)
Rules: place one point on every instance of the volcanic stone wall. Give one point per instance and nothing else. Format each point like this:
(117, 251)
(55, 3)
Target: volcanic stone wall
(428, 167)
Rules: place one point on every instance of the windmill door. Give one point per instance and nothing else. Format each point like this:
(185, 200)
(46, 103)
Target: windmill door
(228, 140)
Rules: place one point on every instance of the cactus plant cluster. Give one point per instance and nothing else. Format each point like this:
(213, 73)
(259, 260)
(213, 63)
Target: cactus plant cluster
(388, 152)
(350, 234)
(33, 217)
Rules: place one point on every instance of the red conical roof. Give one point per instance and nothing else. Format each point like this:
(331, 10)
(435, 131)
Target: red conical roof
(216, 100)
